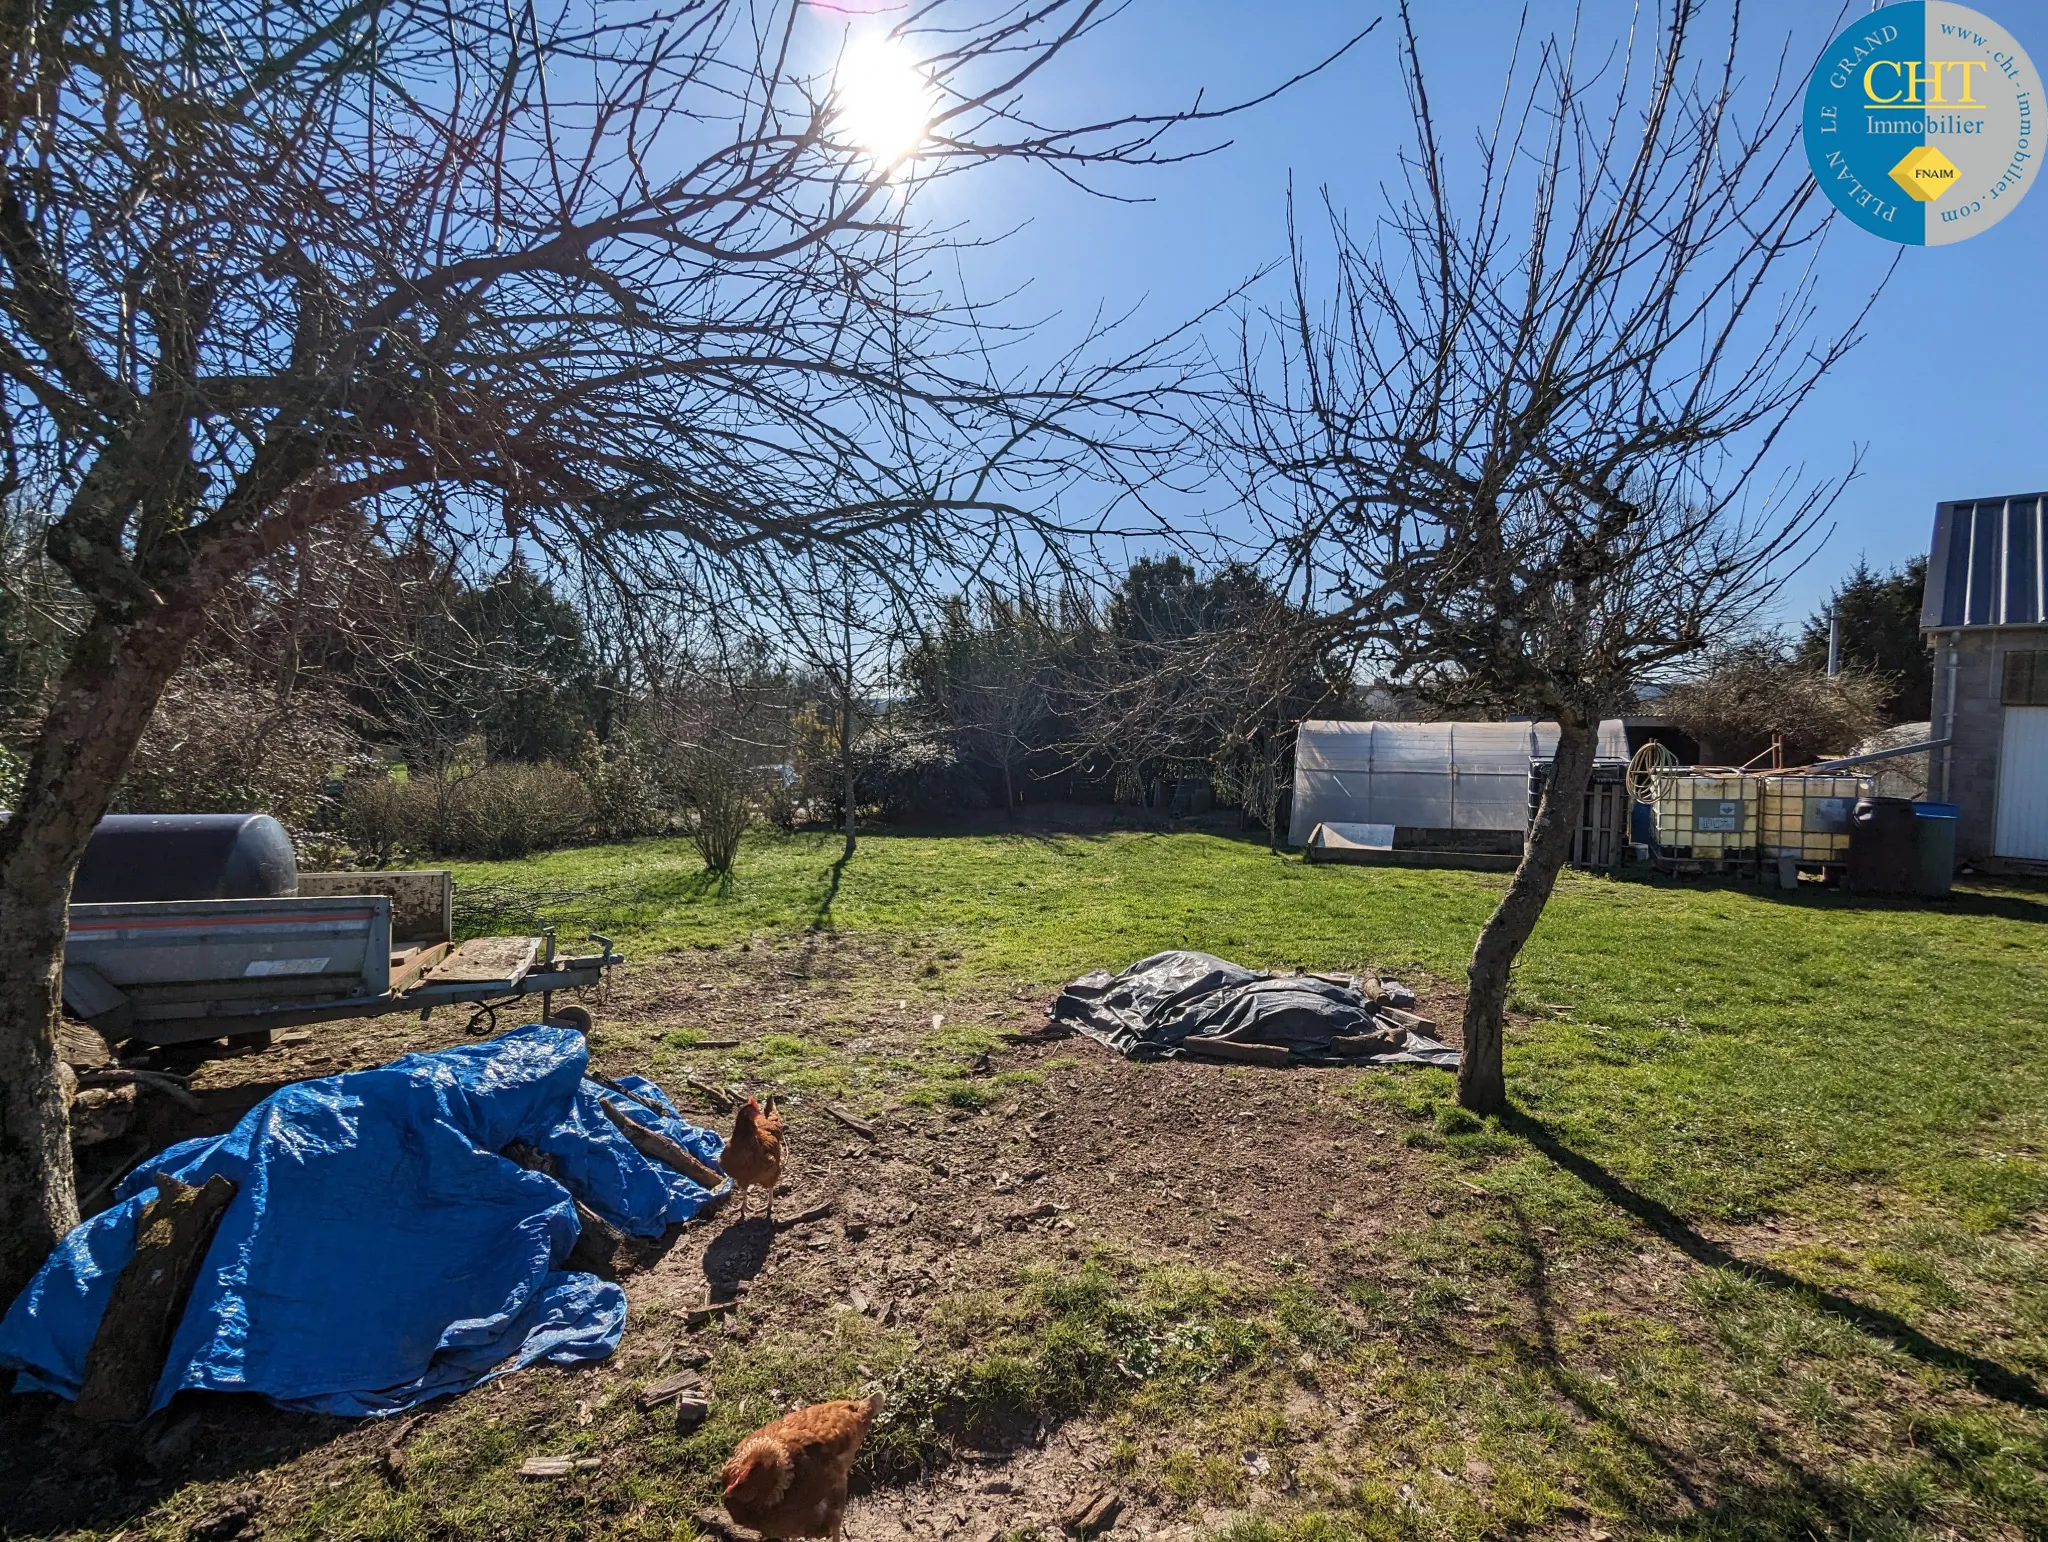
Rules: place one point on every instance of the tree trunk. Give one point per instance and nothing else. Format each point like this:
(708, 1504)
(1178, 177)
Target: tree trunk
(1009, 792)
(1482, 1085)
(846, 771)
(110, 688)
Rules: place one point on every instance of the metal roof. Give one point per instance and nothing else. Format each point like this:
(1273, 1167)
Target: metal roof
(1987, 565)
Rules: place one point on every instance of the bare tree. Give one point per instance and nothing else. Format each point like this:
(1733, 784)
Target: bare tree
(1507, 456)
(623, 287)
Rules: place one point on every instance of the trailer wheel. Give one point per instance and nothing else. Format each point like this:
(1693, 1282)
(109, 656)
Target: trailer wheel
(249, 1043)
(571, 1017)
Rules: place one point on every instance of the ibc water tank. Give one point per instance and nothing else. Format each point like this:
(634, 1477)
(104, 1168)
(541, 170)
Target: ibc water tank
(186, 857)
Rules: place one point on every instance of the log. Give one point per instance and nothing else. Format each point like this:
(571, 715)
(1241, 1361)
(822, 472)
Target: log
(859, 1126)
(657, 1147)
(172, 1087)
(1407, 1020)
(1229, 1049)
(1386, 1042)
(597, 1245)
(126, 1359)
(723, 1101)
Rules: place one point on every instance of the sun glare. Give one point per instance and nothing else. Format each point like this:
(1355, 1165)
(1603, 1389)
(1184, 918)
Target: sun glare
(885, 101)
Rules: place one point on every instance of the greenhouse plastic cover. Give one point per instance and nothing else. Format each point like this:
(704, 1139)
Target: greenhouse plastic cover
(1438, 776)
(379, 1251)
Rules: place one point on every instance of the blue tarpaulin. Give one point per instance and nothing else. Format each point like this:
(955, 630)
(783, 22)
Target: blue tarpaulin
(379, 1251)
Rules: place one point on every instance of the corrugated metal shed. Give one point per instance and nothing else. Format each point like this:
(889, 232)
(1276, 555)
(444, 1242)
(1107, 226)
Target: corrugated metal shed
(1438, 776)
(1988, 565)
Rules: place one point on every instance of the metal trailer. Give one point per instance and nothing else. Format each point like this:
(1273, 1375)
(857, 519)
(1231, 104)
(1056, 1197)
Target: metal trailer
(346, 945)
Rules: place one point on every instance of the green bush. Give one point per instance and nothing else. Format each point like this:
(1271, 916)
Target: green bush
(494, 811)
(508, 809)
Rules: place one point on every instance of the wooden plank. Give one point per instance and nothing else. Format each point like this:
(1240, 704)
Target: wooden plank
(497, 961)
(669, 1389)
(422, 900)
(127, 1355)
(417, 962)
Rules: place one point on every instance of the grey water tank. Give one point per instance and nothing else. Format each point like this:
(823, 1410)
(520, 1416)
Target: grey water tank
(186, 857)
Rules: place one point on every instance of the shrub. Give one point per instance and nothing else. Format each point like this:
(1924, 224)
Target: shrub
(493, 811)
(717, 807)
(220, 742)
(382, 814)
(897, 771)
(623, 800)
(508, 809)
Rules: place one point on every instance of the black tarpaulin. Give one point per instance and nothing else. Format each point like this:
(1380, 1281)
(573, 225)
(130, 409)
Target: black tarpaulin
(1156, 1007)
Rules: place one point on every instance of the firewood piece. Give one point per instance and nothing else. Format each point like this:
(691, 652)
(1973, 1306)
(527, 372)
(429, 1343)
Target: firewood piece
(859, 1126)
(1407, 1020)
(657, 1147)
(1230, 1049)
(127, 1356)
(597, 1245)
(81, 1047)
(669, 1389)
(708, 1313)
(1092, 1513)
(1044, 1212)
(691, 1412)
(1387, 1041)
(815, 1213)
(717, 1097)
(557, 1466)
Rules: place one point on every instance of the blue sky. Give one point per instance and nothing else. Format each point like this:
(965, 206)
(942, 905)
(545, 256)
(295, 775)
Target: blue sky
(1942, 396)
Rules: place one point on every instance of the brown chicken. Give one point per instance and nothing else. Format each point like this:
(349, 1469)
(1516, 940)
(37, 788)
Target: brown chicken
(788, 1479)
(753, 1157)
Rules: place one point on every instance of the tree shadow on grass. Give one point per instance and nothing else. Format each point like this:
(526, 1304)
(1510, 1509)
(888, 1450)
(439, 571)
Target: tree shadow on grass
(1778, 1496)
(1987, 1376)
(821, 908)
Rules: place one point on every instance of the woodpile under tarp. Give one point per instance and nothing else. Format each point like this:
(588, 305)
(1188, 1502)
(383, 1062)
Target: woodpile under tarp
(1186, 1004)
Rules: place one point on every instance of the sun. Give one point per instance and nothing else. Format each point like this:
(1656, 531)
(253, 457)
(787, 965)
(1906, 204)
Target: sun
(885, 101)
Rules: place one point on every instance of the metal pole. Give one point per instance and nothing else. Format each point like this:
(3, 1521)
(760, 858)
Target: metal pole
(1834, 641)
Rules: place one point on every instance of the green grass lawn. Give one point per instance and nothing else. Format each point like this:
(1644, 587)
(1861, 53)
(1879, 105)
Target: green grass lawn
(1758, 1254)
(1729, 1051)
